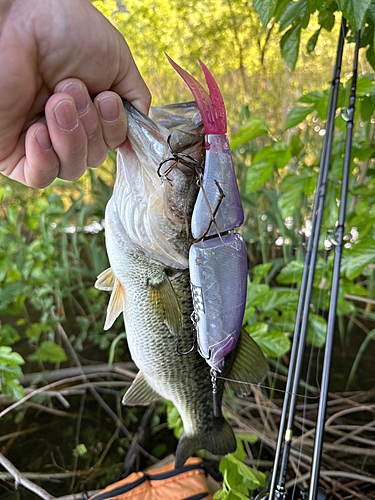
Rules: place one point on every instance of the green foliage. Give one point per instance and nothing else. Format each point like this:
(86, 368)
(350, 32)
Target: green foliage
(10, 372)
(273, 343)
(254, 127)
(296, 16)
(277, 192)
(239, 480)
(49, 351)
(174, 420)
(46, 275)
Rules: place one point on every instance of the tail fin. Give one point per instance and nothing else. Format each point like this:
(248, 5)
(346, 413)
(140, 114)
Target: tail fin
(219, 441)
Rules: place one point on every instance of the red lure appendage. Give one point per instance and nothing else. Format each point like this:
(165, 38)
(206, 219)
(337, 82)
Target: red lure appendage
(211, 106)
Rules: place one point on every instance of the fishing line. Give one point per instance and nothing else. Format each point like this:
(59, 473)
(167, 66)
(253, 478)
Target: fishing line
(266, 387)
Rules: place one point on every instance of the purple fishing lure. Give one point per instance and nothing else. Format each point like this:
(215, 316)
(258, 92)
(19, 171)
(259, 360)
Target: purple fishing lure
(218, 265)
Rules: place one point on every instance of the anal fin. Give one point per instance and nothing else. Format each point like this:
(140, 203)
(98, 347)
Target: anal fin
(249, 366)
(140, 392)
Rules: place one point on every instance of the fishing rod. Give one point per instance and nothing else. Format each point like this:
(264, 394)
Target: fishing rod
(278, 492)
(314, 480)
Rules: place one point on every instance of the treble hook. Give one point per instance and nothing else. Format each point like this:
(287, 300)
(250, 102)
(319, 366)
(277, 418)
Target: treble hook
(181, 353)
(178, 158)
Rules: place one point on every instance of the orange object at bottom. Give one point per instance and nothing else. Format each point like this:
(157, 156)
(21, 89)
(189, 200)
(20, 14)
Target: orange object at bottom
(166, 483)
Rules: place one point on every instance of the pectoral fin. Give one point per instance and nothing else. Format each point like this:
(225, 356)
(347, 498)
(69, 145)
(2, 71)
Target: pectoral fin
(164, 303)
(249, 365)
(116, 304)
(140, 392)
(105, 280)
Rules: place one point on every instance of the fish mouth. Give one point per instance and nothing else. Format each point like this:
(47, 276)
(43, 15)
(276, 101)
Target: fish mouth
(155, 188)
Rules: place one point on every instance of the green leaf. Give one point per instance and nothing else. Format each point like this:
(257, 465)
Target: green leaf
(9, 292)
(49, 351)
(364, 86)
(240, 451)
(36, 329)
(254, 127)
(278, 301)
(260, 271)
(296, 116)
(257, 174)
(232, 477)
(235, 495)
(265, 9)
(357, 258)
(8, 335)
(292, 180)
(249, 438)
(367, 107)
(13, 212)
(219, 494)
(80, 450)
(311, 97)
(344, 307)
(277, 154)
(317, 330)
(354, 11)
(349, 288)
(326, 20)
(310, 185)
(291, 273)
(256, 294)
(257, 329)
(312, 41)
(249, 311)
(289, 45)
(319, 100)
(9, 357)
(289, 201)
(273, 343)
(13, 388)
(370, 56)
(292, 12)
(10, 372)
(251, 478)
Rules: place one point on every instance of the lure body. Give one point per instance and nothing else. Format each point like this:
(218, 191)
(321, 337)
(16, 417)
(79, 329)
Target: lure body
(217, 261)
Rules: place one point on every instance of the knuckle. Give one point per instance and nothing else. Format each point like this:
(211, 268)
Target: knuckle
(115, 137)
(95, 135)
(98, 161)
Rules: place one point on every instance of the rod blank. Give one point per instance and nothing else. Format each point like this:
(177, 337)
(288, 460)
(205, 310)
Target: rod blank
(278, 491)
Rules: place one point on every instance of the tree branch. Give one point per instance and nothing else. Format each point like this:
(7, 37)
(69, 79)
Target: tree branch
(20, 479)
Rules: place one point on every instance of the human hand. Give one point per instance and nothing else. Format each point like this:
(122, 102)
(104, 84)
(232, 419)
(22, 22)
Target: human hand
(54, 55)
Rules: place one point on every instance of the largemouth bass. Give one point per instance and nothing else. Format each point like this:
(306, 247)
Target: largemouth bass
(148, 240)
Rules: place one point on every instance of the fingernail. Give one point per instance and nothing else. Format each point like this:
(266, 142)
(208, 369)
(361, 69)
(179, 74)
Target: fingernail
(66, 116)
(42, 137)
(79, 95)
(109, 109)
